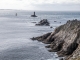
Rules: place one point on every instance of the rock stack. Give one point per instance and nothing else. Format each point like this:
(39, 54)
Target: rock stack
(43, 22)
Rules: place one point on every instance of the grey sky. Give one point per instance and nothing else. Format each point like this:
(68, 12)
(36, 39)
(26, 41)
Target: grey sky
(48, 5)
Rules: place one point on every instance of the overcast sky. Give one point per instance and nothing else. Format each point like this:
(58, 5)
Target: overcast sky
(48, 5)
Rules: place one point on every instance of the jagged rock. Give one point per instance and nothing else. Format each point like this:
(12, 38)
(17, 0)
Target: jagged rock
(43, 22)
(61, 59)
(41, 38)
(65, 40)
(75, 55)
(48, 46)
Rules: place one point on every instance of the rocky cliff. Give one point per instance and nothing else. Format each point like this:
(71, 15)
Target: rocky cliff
(65, 40)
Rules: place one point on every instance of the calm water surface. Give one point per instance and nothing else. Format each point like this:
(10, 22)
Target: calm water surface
(16, 31)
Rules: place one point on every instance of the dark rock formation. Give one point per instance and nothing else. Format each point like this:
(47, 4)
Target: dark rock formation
(51, 27)
(61, 59)
(41, 38)
(65, 40)
(43, 22)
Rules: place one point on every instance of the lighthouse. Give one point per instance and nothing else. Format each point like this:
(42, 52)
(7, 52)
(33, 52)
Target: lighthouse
(33, 15)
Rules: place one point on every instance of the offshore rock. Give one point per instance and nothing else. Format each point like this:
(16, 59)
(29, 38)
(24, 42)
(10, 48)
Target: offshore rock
(65, 40)
(43, 22)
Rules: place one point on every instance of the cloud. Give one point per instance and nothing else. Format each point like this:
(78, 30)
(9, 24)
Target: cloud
(58, 7)
(40, 4)
(14, 4)
(50, 1)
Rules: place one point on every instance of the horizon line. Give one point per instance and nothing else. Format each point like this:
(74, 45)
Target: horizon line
(40, 10)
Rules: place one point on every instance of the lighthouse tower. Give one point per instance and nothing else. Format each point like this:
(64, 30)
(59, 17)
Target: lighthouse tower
(33, 15)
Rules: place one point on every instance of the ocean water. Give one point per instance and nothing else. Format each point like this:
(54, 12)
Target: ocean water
(16, 31)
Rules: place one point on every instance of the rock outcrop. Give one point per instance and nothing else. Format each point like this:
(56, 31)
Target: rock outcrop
(65, 40)
(43, 22)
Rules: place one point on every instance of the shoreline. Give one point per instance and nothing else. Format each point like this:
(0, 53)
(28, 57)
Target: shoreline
(64, 40)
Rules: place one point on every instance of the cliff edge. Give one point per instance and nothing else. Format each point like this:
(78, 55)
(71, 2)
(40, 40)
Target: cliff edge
(65, 40)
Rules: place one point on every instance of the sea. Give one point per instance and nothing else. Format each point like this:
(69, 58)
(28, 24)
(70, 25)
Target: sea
(16, 31)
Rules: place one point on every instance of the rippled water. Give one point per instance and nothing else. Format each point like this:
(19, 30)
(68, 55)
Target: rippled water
(16, 31)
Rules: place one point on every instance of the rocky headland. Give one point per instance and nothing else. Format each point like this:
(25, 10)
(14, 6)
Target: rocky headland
(65, 40)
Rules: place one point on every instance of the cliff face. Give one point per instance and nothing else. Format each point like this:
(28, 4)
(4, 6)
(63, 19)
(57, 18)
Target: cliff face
(65, 40)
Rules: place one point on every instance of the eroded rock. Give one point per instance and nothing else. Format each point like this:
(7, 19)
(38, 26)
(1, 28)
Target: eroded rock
(43, 22)
(41, 38)
(64, 40)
